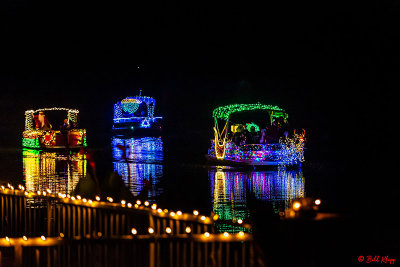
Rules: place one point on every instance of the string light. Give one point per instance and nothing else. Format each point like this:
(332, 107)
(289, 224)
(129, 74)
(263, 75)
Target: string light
(168, 230)
(134, 231)
(188, 230)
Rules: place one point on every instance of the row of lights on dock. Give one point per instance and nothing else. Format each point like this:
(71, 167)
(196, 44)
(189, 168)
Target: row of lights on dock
(123, 203)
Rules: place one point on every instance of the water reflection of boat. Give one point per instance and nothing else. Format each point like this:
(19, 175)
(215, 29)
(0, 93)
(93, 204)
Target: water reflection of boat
(134, 116)
(242, 141)
(229, 192)
(58, 172)
(41, 133)
(139, 162)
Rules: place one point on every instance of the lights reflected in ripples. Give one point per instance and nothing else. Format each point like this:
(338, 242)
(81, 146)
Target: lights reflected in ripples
(139, 162)
(278, 187)
(54, 172)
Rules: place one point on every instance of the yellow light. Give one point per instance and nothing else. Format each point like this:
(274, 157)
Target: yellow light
(136, 206)
(317, 202)
(44, 193)
(240, 221)
(78, 197)
(84, 200)
(38, 192)
(296, 205)
(90, 201)
(134, 231)
(168, 230)
(188, 230)
(24, 238)
(172, 214)
(151, 230)
(207, 234)
(226, 234)
(43, 237)
(196, 212)
(7, 239)
(73, 198)
(179, 212)
(48, 190)
(26, 193)
(138, 202)
(154, 206)
(215, 217)
(203, 218)
(146, 203)
(99, 234)
(110, 199)
(241, 234)
(97, 198)
(61, 235)
(123, 202)
(2, 187)
(165, 210)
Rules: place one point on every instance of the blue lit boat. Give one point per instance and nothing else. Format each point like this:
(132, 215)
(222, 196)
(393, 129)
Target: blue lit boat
(53, 130)
(134, 116)
(234, 144)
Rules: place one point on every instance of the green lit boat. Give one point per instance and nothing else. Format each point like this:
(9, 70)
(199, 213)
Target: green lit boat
(254, 140)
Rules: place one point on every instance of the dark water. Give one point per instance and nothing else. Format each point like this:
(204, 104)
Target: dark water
(173, 181)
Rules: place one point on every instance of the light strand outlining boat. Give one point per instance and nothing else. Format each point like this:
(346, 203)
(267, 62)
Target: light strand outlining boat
(134, 116)
(40, 134)
(246, 144)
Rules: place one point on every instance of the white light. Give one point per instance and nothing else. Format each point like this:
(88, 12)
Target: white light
(151, 230)
(196, 212)
(168, 230)
(317, 202)
(134, 231)
(226, 234)
(188, 230)
(207, 234)
(240, 221)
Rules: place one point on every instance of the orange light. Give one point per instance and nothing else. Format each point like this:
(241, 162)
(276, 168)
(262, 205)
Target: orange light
(296, 205)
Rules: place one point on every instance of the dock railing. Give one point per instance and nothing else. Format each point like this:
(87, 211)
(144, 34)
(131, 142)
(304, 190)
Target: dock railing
(46, 229)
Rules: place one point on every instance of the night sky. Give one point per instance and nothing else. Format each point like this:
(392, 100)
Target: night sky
(332, 65)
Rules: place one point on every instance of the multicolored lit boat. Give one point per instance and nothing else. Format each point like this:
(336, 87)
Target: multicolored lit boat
(241, 142)
(134, 116)
(41, 134)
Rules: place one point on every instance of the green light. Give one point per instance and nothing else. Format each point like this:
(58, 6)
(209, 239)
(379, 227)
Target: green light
(225, 111)
(249, 125)
(30, 142)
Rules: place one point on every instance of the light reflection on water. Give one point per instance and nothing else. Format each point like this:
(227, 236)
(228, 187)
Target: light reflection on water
(141, 167)
(58, 171)
(229, 187)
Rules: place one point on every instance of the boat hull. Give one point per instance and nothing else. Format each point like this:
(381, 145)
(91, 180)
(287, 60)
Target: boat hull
(52, 139)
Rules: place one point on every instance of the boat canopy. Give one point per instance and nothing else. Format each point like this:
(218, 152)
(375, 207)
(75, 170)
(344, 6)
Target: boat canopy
(129, 105)
(72, 115)
(225, 112)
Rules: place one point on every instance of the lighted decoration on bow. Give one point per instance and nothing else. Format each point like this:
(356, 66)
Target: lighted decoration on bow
(135, 115)
(232, 147)
(39, 132)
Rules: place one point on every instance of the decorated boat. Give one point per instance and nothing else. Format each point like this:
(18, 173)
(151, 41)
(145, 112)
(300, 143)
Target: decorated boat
(49, 128)
(254, 134)
(134, 116)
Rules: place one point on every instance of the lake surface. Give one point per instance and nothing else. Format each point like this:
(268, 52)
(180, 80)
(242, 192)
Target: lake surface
(168, 179)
